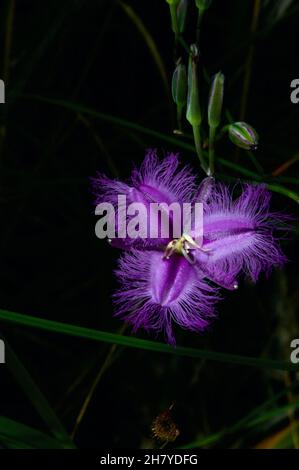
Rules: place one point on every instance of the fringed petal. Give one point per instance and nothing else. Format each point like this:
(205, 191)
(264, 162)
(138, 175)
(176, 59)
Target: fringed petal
(156, 292)
(239, 235)
(156, 182)
(161, 181)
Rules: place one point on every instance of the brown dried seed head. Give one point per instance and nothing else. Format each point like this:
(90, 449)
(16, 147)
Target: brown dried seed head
(164, 427)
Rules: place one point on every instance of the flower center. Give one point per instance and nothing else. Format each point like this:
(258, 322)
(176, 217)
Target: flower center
(182, 246)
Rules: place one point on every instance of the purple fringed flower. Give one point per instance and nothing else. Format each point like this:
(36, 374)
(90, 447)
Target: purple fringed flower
(238, 237)
(156, 181)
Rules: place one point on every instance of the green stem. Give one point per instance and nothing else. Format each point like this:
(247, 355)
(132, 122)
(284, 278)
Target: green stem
(133, 342)
(224, 129)
(281, 190)
(163, 445)
(183, 43)
(212, 134)
(198, 147)
(174, 19)
(198, 25)
(106, 364)
(180, 108)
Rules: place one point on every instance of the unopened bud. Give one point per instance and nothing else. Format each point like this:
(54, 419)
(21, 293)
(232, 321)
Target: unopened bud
(182, 14)
(243, 135)
(216, 100)
(179, 85)
(202, 4)
(193, 114)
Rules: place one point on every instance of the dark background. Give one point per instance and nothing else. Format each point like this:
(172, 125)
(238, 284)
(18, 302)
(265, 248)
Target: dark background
(89, 52)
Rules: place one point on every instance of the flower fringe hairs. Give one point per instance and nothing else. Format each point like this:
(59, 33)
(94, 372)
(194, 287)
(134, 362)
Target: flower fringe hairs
(160, 282)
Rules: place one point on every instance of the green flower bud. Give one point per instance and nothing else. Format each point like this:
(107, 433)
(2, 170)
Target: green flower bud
(193, 114)
(216, 100)
(202, 4)
(243, 135)
(182, 14)
(179, 85)
(173, 14)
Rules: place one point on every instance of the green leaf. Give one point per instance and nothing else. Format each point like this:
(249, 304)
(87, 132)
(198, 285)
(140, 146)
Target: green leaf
(129, 341)
(38, 400)
(15, 435)
(258, 415)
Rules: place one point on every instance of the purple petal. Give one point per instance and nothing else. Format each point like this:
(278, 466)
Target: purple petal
(160, 181)
(156, 181)
(156, 292)
(239, 235)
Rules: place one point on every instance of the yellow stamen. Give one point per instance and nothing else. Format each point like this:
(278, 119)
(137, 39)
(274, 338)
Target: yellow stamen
(182, 246)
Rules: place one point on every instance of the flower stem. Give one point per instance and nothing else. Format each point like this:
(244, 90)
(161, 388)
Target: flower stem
(106, 364)
(212, 134)
(198, 25)
(175, 28)
(163, 445)
(174, 19)
(180, 108)
(183, 43)
(198, 147)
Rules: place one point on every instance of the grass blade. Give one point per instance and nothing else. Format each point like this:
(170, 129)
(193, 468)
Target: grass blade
(260, 413)
(129, 341)
(38, 400)
(15, 435)
(149, 40)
